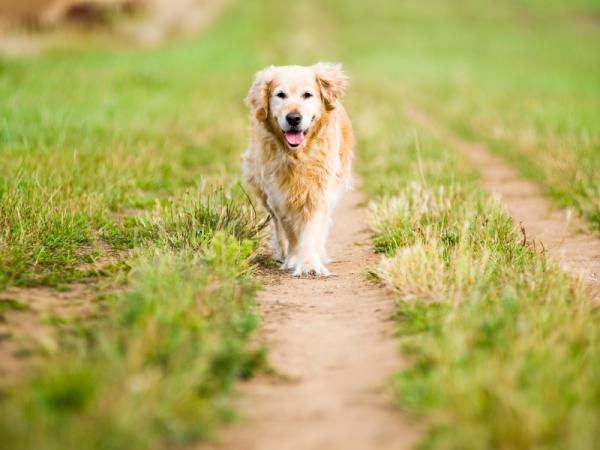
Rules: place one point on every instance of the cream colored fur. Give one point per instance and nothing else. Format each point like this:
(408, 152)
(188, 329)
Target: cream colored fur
(299, 186)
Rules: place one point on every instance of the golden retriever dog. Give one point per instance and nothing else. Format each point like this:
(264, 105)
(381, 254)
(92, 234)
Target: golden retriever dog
(299, 158)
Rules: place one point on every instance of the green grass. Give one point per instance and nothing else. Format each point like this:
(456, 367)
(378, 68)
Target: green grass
(106, 149)
(89, 136)
(10, 304)
(521, 77)
(159, 364)
(504, 346)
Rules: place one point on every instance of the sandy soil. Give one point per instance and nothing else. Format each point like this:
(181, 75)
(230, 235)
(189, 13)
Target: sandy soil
(559, 232)
(331, 342)
(25, 334)
(31, 330)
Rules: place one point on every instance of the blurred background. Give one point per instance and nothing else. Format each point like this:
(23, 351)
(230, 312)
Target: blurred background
(115, 116)
(142, 21)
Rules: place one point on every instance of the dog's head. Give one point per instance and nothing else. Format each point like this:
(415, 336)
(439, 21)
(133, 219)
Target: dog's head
(291, 99)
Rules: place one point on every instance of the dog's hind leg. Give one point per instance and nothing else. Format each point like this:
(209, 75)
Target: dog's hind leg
(333, 197)
(322, 238)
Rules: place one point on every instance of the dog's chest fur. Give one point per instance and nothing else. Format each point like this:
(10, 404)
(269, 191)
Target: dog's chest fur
(297, 183)
(294, 183)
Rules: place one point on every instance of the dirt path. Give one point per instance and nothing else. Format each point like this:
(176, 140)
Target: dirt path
(332, 338)
(560, 231)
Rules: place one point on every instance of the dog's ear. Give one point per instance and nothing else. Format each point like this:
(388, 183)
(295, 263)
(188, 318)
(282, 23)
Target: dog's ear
(332, 81)
(258, 96)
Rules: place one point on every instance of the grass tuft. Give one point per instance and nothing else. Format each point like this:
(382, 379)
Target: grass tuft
(504, 343)
(159, 366)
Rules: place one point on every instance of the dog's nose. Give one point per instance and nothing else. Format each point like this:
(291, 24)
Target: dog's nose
(294, 118)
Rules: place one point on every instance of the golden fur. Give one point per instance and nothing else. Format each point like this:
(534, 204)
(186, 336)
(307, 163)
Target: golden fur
(299, 186)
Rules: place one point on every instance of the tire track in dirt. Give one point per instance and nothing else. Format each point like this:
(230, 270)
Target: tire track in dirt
(562, 234)
(331, 340)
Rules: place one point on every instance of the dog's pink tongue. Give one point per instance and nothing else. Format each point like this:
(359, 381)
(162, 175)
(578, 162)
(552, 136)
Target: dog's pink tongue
(294, 137)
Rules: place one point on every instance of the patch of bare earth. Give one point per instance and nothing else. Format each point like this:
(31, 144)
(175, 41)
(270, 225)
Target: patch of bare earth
(562, 235)
(333, 351)
(28, 329)
(31, 317)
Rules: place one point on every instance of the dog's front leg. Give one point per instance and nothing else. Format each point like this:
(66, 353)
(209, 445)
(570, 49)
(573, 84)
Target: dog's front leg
(291, 237)
(308, 258)
(280, 241)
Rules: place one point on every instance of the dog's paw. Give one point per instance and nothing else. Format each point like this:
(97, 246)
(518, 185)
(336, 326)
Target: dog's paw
(310, 268)
(279, 257)
(289, 263)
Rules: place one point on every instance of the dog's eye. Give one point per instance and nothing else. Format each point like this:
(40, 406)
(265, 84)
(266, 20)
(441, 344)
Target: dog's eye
(307, 95)
(281, 95)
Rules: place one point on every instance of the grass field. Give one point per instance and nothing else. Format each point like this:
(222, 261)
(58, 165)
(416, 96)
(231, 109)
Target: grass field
(111, 150)
(492, 327)
(482, 314)
(521, 77)
(135, 153)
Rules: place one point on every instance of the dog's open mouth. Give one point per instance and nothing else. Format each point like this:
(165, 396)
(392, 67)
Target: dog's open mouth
(294, 138)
